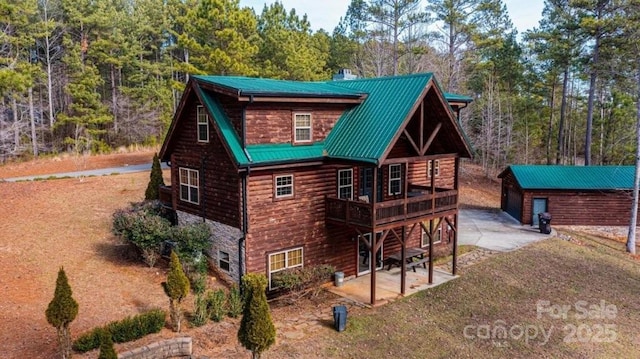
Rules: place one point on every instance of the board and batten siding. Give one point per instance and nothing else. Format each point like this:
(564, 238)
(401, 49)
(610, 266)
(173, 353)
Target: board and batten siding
(219, 181)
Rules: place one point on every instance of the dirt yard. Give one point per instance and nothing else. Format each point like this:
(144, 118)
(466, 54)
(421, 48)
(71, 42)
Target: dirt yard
(66, 223)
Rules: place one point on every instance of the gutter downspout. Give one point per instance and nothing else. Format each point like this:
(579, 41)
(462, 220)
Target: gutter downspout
(245, 180)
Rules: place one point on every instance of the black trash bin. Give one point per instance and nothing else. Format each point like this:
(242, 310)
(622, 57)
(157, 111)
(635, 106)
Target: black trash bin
(340, 317)
(544, 222)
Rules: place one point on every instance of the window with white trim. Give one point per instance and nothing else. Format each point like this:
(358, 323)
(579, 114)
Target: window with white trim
(189, 185)
(283, 186)
(395, 179)
(203, 124)
(437, 235)
(224, 261)
(345, 184)
(291, 258)
(436, 169)
(302, 127)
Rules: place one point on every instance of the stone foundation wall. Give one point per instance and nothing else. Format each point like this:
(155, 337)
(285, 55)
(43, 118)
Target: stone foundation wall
(223, 238)
(171, 348)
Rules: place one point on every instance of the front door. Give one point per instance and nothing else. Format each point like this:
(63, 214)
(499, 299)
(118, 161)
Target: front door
(539, 206)
(366, 184)
(364, 254)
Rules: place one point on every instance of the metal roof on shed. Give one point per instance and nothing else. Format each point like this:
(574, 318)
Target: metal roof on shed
(364, 132)
(572, 177)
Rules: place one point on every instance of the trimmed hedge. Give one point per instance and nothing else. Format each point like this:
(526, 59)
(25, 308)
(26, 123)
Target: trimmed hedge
(126, 330)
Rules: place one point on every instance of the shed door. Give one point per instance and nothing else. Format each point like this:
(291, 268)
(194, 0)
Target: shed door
(539, 206)
(514, 203)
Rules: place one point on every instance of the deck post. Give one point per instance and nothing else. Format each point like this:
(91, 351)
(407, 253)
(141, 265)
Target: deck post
(403, 260)
(431, 252)
(455, 246)
(372, 261)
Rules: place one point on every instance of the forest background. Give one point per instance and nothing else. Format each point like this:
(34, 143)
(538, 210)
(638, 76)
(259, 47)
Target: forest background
(93, 75)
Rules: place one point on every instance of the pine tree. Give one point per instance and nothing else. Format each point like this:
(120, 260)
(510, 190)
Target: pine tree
(177, 288)
(107, 351)
(155, 180)
(62, 310)
(257, 332)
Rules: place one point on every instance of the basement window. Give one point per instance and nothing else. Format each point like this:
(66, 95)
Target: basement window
(280, 261)
(437, 235)
(224, 261)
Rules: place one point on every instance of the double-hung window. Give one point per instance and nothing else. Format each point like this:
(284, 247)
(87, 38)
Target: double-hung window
(302, 127)
(395, 179)
(437, 234)
(203, 124)
(345, 184)
(189, 185)
(436, 168)
(283, 186)
(280, 261)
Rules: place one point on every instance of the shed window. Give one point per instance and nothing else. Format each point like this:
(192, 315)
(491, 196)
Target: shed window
(284, 186)
(345, 184)
(203, 124)
(189, 186)
(302, 127)
(395, 179)
(280, 261)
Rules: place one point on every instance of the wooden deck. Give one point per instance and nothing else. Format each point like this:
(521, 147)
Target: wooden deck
(416, 206)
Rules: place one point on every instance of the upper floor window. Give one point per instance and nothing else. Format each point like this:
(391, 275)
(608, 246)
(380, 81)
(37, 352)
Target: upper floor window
(345, 184)
(436, 168)
(302, 127)
(189, 185)
(437, 232)
(395, 179)
(284, 186)
(203, 124)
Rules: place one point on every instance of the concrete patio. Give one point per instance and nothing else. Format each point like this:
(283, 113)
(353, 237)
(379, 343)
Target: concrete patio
(388, 285)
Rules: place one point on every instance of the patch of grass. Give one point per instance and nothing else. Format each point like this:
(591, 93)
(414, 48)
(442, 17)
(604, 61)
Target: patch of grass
(515, 291)
(462, 249)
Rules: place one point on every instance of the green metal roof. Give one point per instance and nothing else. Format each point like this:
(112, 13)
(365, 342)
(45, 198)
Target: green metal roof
(573, 177)
(284, 152)
(457, 98)
(224, 124)
(247, 86)
(364, 132)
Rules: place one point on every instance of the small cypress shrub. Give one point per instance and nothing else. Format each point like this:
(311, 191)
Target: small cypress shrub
(122, 331)
(176, 288)
(234, 302)
(155, 180)
(107, 351)
(62, 310)
(216, 303)
(257, 332)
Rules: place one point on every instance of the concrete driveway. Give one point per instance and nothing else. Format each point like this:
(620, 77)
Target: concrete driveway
(496, 230)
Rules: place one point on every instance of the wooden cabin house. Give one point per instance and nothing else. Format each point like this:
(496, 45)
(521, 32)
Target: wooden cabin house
(573, 195)
(290, 174)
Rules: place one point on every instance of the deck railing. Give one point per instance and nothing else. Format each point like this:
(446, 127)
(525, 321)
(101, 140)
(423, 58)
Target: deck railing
(418, 204)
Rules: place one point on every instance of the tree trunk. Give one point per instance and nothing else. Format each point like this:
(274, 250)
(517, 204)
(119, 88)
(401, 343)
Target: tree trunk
(560, 153)
(64, 341)
(592, 91)
(32, 117)
(16, 126)
(631, 237)
(551, 109)
(114, 99)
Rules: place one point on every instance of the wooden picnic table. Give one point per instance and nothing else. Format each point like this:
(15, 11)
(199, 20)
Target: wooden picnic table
(410, 255)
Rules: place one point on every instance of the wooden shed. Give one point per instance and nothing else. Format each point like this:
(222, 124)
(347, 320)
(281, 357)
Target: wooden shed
(574, 195)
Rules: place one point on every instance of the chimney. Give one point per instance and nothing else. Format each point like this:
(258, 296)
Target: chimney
(344, 74)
